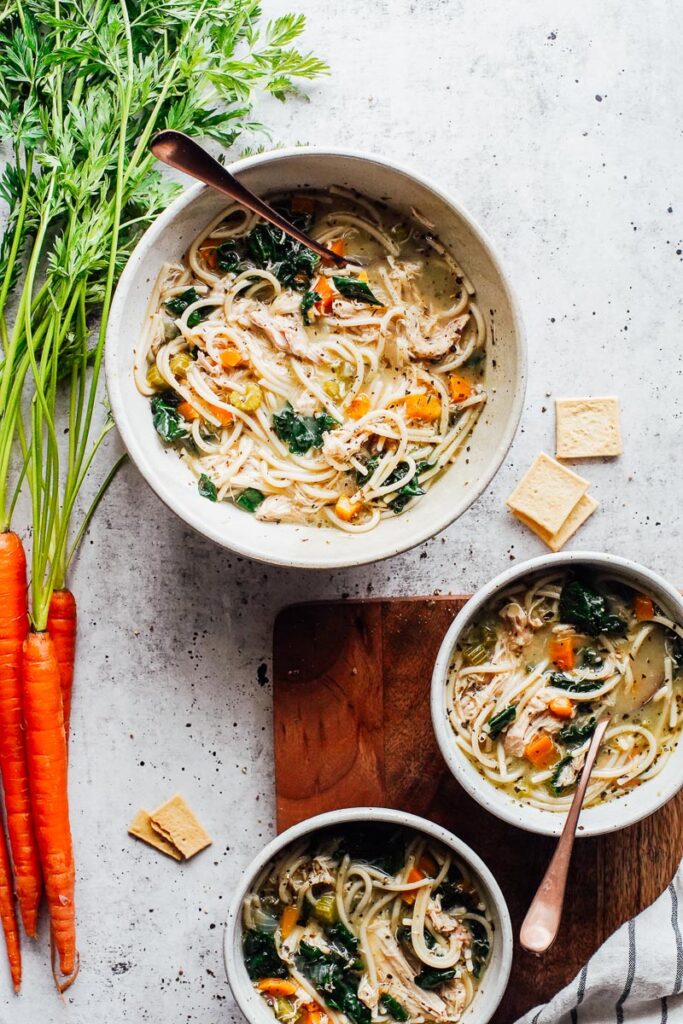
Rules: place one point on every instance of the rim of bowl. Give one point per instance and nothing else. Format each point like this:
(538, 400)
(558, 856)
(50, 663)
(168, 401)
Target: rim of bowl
(234, 968)
(494, 799)
(138, 451)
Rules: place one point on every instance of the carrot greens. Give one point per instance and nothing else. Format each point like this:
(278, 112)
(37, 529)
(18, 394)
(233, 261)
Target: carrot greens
(84, 85)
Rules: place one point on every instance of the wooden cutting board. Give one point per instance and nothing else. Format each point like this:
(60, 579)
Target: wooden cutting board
(352, 727)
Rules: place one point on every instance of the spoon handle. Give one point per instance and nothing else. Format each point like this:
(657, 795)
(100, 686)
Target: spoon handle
(184, 154)
(542, 922)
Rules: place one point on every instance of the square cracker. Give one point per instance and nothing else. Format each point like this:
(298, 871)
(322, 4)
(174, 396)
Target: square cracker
(587, 428)
(141, 828)
(576, 518)
(178, 825)
(547, 493)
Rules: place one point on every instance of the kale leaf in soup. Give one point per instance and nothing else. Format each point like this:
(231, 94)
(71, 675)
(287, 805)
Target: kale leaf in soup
(582, 606)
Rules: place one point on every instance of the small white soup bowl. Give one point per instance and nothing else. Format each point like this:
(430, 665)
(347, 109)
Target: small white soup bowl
(601, 818)
(495, 978)
(294, 544)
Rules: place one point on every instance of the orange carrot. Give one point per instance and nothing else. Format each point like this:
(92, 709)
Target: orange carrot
(541, 751)
(229, 357)
(8, 914)
(279, 987)
(288, 920)
(313, 1013)
(562, 651)
(47, 760)
(459, 387)
(326, 292)
(422, 407)
(208, 251)
(358, 406)
(61, 625)
(187, 411)
(346, 508)
(416, 874)
(13, 761)
(643, 607)
(561, 707)
(339, 246)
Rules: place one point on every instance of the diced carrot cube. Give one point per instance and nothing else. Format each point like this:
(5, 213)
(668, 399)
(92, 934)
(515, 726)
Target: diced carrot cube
(230, 357)
(561, 707)
(278, 987)
(459, 387)
(416, 874)
(358, 406)
(313, 1013)
(288, 920)
(207, 251)
(347, 509)
(643, 607)
(326, 292)
(541, 751)
(562, 651)
(422, 407)
(187, 411)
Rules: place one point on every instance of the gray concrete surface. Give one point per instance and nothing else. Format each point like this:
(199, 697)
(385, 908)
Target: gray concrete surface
(559, 127)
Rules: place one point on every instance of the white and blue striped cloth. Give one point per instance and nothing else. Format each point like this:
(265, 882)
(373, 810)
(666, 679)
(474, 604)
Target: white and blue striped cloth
(636, 977)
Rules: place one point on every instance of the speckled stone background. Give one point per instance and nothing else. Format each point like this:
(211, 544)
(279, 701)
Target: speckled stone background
(559, 127)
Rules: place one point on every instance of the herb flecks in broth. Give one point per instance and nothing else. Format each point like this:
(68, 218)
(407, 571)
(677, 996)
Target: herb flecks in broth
(338, 395)
(543, 663)
(369, 924)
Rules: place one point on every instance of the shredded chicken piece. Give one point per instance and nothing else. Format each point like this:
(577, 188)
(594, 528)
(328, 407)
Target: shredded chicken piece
(517, 735)
(286, 334)
(279, 508)
(519, 626)
(312, 934)
(306, 403)
(454, 995)
(570, 772)
(395, 974)
(426, 343)
(341, 444)
(287, 302)
(320, 872)
(444, 923)
(345, 308)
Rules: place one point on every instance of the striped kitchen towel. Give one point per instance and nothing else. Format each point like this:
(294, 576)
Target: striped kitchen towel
(636, 977)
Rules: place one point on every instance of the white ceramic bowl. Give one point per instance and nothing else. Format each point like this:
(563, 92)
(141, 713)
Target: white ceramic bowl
(293, 544)
(495, 978)
(607, 817)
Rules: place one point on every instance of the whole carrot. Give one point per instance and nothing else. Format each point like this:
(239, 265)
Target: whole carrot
(47, 763)
(61, 625)
(8, 915)
(13, 764)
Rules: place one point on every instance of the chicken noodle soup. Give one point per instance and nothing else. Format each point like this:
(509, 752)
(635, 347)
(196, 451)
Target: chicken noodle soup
(542, 663)
(370, 924)
(306, 393)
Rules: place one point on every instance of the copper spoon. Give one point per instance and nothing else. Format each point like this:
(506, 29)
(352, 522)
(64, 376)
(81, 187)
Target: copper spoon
(542, 922)
(180, 151)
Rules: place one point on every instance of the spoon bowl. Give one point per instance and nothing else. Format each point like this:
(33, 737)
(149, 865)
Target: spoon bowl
(184, 154)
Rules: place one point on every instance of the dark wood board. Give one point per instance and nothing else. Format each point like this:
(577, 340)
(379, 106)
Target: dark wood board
(352, 727)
